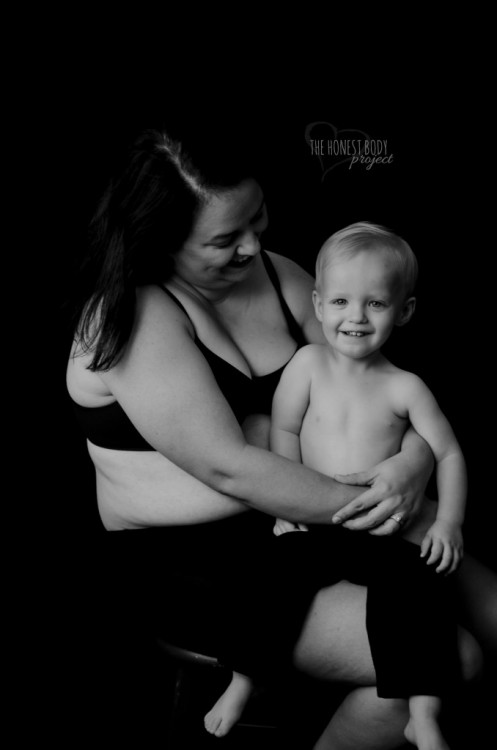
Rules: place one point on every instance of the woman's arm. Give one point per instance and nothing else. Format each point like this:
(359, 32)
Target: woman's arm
(170, 394)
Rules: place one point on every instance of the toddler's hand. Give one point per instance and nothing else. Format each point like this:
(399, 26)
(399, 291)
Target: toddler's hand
(443, 541)
(281, 527)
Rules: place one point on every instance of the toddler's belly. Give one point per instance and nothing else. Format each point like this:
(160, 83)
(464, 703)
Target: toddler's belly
(345, 454)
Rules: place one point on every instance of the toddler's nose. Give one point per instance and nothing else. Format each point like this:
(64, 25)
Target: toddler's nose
(357, 314)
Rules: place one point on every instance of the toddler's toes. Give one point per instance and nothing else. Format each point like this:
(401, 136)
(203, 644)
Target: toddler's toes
(212, 722)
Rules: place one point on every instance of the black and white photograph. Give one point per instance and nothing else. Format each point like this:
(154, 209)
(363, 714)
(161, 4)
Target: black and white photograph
(274, 396)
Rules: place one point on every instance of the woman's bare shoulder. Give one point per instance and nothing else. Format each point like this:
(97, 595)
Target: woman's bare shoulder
(297, 286)
(289, 271)
(158, 322)
(158, 313)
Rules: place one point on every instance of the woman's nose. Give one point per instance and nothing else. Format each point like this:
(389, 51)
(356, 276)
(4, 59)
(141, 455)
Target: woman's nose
(249, 244)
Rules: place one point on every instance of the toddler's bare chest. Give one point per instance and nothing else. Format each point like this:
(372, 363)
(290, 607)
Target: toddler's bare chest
(364, 411)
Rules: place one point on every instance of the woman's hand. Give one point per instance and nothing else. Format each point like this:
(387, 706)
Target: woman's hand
(397, 488)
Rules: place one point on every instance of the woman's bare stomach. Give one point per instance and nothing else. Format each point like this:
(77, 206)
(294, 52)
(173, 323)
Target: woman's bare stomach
(136, 489)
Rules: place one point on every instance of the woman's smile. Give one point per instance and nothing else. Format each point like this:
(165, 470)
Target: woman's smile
(224, 239)
(241, 261)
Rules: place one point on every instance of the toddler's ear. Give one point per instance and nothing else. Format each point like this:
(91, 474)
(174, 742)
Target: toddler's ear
(318, 305)
(406, 312)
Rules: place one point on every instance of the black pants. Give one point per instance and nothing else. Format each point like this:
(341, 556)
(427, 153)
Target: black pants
(410, 614)
(232, 589)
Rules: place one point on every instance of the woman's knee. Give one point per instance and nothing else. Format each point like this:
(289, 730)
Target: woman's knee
(470, 655)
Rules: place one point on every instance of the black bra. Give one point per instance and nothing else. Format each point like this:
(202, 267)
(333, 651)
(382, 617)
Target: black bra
(109, 426)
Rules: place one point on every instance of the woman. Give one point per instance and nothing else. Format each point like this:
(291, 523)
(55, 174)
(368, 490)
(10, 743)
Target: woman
(183, 327)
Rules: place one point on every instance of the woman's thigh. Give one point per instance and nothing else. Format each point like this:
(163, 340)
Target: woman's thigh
(333, 644)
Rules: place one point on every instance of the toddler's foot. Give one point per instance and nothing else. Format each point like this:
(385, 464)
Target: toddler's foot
(425, 733)
(228, 709)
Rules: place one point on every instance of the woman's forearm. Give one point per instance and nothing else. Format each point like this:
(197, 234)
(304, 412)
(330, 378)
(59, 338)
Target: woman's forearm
(285, 489)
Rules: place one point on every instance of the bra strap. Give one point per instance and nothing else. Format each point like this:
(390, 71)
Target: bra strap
(175, 299)
(293, 327)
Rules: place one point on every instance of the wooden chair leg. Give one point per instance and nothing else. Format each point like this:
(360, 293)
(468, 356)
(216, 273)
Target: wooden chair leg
(177, 734)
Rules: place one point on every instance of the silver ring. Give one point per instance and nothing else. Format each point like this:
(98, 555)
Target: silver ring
(397, 517)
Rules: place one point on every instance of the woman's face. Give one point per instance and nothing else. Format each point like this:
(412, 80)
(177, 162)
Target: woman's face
(225, 238)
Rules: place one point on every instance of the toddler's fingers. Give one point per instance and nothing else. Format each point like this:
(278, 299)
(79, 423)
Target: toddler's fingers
(447, 558)
(425, 546)
(455, 563)
(458, 556)
(436, 552)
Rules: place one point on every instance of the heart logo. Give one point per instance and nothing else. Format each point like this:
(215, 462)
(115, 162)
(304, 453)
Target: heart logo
(334, 148)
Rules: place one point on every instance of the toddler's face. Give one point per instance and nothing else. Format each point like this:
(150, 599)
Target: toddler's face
(359, 302)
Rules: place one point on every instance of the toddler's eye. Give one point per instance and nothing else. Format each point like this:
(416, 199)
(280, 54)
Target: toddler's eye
(339, 302)
(376, 303)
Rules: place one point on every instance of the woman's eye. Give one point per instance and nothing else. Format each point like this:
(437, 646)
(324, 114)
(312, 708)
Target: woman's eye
(225, 244)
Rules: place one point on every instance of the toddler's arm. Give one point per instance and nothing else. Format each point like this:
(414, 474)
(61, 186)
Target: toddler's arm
(443, 542)
(290, 403)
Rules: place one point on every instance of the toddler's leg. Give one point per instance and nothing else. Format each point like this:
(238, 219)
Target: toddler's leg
(422, 728)
(411, 623)
(228, 709)
(412, 631)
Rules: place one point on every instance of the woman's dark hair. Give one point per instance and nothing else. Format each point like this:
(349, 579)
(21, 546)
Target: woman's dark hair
(142, 220)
